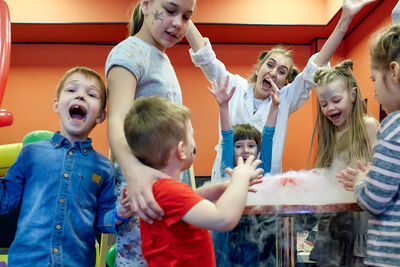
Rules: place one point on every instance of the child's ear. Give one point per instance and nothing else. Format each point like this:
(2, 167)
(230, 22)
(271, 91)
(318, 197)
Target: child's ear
(144, 6)
(394, 68)
(101, 117)
(353, 94)
(181, 151)
(56, 105)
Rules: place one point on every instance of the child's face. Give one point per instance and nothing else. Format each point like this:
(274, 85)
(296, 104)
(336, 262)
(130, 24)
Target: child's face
(276, 67)
(336, 102)
(384, 92)
(167, 20)
(189, 147)
(244, 148)
(79, 106)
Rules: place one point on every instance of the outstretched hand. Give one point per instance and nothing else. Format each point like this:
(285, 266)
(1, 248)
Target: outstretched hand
(247, 168)
(352, 7)
(220, 91)
(349, 176)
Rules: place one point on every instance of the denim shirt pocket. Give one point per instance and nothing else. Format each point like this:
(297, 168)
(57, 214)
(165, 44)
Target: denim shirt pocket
(86, 194)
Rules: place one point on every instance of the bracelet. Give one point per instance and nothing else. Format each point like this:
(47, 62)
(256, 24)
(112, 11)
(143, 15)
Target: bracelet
(119, 218)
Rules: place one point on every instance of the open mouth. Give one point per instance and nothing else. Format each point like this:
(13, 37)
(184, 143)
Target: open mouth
(245, 157)
(266, 83)
(77, 112)
(335, 116)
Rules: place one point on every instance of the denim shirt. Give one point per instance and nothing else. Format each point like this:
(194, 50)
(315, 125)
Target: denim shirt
(66, 194)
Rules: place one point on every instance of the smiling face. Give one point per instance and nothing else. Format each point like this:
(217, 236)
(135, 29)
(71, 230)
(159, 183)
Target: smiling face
(79, 106)
(244, 148)
(166, 21)
(336, 102)
(276, 67)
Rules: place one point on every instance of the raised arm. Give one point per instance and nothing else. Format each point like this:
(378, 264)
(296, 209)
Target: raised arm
(349, 9)
(194, 37)
(139, 178)
(222, 96)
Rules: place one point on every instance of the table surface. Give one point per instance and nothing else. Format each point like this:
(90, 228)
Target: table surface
(296, 209)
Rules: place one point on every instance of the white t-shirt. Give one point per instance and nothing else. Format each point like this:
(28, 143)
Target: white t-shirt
(151, 68)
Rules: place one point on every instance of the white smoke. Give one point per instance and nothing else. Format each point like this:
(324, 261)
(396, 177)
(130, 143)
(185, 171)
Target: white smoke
(305, 187)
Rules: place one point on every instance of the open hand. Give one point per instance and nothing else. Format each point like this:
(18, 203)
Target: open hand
(349, 176)
(220, 91)
(247, 168)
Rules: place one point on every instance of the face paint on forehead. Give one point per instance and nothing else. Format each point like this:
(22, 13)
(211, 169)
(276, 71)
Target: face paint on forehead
(328, 93)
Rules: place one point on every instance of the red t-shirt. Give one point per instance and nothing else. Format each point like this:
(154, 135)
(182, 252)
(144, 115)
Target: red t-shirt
(171, 241)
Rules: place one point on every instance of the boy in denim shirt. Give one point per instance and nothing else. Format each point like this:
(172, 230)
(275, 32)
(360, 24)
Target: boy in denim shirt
(65, 187)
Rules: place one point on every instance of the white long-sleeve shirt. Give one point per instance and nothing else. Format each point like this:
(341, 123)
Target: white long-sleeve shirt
(241, 105)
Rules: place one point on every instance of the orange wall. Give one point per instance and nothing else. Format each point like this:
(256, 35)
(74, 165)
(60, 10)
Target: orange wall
(210, 11)
(36, 69)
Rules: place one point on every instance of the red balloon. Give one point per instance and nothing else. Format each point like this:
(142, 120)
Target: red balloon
(6, 118)
(5, 46)
(5, 50)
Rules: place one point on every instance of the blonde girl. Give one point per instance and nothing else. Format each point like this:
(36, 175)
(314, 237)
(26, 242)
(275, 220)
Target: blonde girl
(377, 188)
(345, 134)
(138, 66)
(341, 117)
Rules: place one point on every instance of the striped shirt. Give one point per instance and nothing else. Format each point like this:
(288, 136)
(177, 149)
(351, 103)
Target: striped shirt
(378, 194)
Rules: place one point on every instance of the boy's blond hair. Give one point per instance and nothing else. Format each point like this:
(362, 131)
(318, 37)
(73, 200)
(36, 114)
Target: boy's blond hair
(88, 73)
(153, 126)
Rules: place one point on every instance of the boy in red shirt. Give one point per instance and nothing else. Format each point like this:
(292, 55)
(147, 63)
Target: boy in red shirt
(160, 134)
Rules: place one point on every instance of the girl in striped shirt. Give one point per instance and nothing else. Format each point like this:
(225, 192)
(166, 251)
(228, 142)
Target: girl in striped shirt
(376, 186)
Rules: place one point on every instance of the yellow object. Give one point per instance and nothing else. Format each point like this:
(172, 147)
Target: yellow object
(4, 258)
(97, 254)
(8, 154)
(96, 178)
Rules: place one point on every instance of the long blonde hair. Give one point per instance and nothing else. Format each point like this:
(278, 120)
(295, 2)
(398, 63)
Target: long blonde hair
(353, 144)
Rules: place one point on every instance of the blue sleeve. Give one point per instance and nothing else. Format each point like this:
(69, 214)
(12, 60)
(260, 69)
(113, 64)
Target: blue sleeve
(266, 148)
(12, 186)
(227, 150)
(105, 220)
